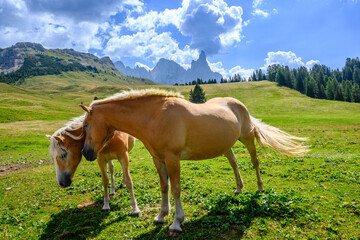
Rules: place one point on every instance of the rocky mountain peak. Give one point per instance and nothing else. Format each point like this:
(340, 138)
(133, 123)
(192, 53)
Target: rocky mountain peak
(30, 45)
(169, 72)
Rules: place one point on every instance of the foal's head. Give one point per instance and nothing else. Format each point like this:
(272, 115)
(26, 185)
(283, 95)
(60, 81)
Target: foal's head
(66, 153)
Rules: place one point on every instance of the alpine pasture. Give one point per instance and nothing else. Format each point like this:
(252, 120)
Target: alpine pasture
(314, 197)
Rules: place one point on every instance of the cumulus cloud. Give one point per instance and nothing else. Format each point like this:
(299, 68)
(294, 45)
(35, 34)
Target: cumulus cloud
(283, 58)
(287, 59)
(311, 63)
(244, 73)
(61, 24)
(211, 24)
(218, 67)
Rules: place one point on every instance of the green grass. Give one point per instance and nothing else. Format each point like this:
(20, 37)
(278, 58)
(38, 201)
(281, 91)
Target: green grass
(314, 197)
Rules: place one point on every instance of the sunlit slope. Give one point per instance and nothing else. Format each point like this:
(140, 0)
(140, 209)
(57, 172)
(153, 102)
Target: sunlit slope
(79, 81)
(265, 100)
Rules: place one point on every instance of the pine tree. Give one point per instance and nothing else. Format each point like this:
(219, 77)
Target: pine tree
(355, 93)
(197, 95)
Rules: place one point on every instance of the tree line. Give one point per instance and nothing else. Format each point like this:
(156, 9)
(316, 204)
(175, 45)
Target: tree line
(39, 65)
(320, 81)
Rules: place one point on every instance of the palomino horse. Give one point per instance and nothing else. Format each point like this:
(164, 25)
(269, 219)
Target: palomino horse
(65, 148)
(173, 129)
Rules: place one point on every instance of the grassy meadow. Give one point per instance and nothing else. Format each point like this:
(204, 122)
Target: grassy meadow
(314, 197)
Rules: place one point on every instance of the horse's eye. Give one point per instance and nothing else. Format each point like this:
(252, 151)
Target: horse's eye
(86, 126)
(64, 155)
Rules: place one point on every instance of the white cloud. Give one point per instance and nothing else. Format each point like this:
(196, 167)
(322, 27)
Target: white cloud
(244, 73)
(58, 24)
(283, 58)
(311, 63)
(258, 12)
(257, 3)
(212, 25)
(218, 67)
(287, 59)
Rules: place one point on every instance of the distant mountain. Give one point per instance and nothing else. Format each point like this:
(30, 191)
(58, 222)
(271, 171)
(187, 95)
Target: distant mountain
(24, 60)
(169, 72)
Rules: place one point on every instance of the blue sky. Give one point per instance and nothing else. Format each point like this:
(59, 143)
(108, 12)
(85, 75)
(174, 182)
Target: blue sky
(237, 36)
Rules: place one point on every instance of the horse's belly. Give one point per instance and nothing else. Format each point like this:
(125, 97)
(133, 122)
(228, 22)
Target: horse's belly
(208, 146)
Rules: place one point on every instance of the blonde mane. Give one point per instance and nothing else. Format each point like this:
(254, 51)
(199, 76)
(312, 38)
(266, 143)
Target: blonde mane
(133, 94)
(73, 124)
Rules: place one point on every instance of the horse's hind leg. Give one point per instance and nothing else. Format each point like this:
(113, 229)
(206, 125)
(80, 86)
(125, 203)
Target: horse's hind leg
(124, 160)
(250, 145)
(233, 162)
(111, 170)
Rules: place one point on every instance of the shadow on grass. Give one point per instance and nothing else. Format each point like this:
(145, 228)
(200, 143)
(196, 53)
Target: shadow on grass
(229, 216)
(78, 223)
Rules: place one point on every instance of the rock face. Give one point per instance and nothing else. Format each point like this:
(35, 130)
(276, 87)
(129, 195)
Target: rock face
(169, 72)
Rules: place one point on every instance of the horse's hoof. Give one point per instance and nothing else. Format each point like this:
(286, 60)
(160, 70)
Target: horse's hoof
(174, 233)
(238, 192)
(137, 214)
(105, 210)
(156, 222)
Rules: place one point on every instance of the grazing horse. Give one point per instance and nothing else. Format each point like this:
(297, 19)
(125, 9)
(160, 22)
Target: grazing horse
(65, 148)
(173, 129)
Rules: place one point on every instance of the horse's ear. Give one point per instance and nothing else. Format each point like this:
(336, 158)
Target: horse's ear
(48, 137)
(86, 109)
(60, 139)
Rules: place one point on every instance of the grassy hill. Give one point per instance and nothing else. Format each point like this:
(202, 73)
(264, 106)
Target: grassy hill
(313, 197)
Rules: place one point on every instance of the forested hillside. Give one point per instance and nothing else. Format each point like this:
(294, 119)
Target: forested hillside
(320, 81)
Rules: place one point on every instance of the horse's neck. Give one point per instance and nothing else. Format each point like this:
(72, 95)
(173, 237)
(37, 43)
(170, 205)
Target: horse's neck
(130, 116)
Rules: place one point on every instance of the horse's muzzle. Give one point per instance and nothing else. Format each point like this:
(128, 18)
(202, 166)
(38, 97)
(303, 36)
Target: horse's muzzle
(65, 180)
(89, 153)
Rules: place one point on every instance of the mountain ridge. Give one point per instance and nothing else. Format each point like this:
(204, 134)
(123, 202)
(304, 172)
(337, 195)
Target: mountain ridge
(169, 72)
(24, 60)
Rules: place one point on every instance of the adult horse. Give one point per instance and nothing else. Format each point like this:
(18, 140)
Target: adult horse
(66, 145)
(173, 129)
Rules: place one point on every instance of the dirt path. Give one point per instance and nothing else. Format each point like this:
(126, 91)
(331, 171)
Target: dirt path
(18, 167)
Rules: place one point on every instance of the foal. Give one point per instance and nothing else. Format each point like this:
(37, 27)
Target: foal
(66, 145)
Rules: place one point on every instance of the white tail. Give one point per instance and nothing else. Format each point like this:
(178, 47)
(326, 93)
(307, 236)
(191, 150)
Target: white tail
(283, 142)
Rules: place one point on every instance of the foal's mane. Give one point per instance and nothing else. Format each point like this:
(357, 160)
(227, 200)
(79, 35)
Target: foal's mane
(135, 94)
(74, 124)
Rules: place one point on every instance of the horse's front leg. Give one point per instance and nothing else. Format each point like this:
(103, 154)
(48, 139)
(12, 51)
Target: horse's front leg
(124, 160)
(164, 184)
(173, 168)
(105, 182)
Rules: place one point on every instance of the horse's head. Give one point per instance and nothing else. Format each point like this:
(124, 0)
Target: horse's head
(96, 133)
(66, 153)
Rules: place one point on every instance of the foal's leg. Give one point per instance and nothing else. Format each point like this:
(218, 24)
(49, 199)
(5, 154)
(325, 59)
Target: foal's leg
(124, 160)
(173, 169)
(233, 162)
(164, 184)
(105, 182)
(111, 169)
(250, 145)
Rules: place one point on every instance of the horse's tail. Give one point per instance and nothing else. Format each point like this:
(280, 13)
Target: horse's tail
(285, 143)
